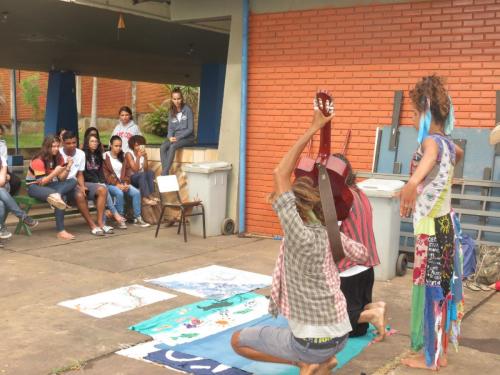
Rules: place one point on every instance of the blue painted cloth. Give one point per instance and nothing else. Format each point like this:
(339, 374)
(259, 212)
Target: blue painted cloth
(218, 347)
(189, 314)
(191, 364)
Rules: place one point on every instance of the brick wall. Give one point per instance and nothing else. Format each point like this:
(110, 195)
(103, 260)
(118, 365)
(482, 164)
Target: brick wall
(362, 54)
(24, 112)
(112, 94)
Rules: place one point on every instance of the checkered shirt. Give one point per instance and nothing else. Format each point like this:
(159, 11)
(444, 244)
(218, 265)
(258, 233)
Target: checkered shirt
(306, 282)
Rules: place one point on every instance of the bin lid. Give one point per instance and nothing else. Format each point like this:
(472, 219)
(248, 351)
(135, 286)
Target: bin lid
(375, 187)
(207, 167)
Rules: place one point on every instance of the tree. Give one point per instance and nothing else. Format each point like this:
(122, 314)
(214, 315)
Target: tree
(30, 88)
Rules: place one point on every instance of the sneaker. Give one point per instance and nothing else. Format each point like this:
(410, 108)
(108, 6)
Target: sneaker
(107, 229)
(30, 222)
(56, 201)
(140, 222)
(122, 224)
(4, 233)
(97, 232)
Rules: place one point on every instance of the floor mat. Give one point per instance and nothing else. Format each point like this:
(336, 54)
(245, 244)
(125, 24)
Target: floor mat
(215, 282)
(218, 347)
(116, 301)
(202, 319)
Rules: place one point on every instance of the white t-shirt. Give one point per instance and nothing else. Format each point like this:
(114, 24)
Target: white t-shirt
(115, 164)
(353, 271)
(140, 162)
(78, 162)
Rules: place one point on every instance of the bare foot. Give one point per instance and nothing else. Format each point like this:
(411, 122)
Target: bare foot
(417, 361)
(308, 368)
(379, 323)
(326, 367)
(63, 235)
(443, 361)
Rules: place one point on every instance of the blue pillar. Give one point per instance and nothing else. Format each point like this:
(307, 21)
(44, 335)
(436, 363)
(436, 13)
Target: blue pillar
(60, 111)
(211, 98)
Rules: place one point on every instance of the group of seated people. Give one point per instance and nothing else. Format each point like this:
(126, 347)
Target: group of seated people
(64, 175)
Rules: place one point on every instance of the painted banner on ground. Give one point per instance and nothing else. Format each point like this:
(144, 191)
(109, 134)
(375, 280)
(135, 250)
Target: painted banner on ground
(215, 282)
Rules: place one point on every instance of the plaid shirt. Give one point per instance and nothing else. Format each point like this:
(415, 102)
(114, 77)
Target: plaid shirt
(306, 282)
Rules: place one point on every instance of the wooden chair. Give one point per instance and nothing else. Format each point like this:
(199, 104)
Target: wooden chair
(169, 184)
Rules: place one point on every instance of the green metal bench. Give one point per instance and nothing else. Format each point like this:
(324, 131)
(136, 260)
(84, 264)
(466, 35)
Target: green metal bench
(26, 202)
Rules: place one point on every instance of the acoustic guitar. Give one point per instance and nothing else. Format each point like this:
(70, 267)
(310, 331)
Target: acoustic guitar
(336, 168)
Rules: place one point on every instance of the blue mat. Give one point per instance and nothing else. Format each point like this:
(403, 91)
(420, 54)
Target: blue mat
(218, 347)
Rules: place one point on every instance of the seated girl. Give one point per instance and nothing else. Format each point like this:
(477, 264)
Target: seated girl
(117, 174)
(94, 173)
(47, 181)
(142, 177)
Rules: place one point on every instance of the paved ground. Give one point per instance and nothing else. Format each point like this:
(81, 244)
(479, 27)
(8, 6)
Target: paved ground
(40, 337)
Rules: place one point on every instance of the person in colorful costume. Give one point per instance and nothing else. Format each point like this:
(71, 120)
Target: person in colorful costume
(437, 301)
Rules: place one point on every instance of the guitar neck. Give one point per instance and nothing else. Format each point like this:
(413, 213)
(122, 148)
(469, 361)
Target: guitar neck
(324, 140)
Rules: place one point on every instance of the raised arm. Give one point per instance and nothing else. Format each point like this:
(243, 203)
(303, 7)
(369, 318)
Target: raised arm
(283, 172)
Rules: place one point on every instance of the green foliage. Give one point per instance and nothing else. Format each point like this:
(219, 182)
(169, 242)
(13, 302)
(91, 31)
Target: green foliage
(156, 122)
(30, 88)
(190, 94)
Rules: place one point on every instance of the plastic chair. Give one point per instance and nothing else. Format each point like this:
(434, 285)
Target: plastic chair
(169, 184)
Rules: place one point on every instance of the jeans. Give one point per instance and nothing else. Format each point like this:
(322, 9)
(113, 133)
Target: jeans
(42, 192)
(167, 152)
(109, 203)
(119, 196)
(7, 203)
(145, 182)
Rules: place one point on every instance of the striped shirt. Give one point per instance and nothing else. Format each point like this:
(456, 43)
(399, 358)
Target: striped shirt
(359, 226)
(306, 282)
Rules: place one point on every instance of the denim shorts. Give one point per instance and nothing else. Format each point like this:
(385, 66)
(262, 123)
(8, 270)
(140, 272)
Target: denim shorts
(279, 342)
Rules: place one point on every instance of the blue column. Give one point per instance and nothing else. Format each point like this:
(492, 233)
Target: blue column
(211, 98)
(60, 111)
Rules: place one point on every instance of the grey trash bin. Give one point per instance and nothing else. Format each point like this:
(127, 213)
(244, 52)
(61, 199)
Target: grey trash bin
(208, 181)
(386, 222)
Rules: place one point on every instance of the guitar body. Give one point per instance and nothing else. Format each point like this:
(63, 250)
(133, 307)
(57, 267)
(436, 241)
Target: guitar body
(337, 171)
(335, 167)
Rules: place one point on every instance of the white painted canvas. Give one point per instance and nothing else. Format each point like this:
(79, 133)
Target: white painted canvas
(141, 350)
(216, 282)
(116, 301)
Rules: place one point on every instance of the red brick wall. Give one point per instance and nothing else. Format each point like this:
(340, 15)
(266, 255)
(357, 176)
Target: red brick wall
(24, 112)
(362, 54)
(112, 94)
(147, 94)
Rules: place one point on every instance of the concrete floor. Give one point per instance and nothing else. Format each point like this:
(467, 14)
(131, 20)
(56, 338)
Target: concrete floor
(40, 337)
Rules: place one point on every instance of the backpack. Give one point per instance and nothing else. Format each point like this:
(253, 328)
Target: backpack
(488, 270)
(151, 214)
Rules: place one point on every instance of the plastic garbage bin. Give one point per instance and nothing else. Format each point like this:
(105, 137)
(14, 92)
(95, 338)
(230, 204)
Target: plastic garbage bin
(386, 222)
(208, 181)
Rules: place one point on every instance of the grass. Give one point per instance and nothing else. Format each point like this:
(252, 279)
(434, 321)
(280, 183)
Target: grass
(30, 140)
(77, 365)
